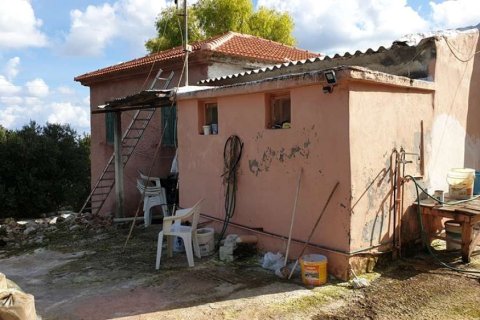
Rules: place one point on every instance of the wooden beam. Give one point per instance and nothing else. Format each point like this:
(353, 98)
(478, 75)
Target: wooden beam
(117, 144)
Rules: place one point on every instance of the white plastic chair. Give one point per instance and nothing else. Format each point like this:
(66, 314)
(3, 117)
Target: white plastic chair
(153, 195)
(172, 227)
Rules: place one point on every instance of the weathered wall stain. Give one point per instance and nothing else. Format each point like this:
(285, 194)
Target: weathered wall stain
(281, 155)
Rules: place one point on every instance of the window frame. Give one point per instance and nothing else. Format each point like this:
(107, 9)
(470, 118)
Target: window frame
(109, 128)
(204, 118)
(273, 102)
(169, 115)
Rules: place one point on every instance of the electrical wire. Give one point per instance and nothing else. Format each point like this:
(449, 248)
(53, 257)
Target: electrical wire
(232, 153)
(424, 234)
(453, 49)
(155, 51)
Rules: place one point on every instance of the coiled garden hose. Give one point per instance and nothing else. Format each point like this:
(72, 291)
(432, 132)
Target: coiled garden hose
(232, 153)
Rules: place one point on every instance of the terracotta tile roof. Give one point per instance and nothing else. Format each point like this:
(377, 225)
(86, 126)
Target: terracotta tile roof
(230, 43)
(244, 45)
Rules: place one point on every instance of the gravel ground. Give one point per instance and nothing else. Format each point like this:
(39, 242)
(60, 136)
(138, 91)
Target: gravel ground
(84, 273)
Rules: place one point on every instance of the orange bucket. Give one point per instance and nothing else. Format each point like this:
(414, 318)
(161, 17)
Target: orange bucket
(314, 269)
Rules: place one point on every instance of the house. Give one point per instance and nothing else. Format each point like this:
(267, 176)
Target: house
(364, 120)
(228, 53)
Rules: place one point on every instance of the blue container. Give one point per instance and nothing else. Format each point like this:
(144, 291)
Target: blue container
(476, 183)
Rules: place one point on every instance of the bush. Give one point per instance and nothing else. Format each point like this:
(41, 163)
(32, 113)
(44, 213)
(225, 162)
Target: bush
(42, 169)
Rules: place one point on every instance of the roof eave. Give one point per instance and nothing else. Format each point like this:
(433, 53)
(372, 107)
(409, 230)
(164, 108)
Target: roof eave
(343, 73)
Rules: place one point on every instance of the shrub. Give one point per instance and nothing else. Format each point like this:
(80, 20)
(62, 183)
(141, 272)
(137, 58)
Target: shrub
(42, 169)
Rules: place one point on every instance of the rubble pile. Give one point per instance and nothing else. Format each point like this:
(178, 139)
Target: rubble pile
(36, 231)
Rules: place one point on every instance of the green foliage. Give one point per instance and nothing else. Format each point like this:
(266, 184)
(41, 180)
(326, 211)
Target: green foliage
(43, 169)
(208, 18)
(220, 16)
(170, 27)
(277, 25)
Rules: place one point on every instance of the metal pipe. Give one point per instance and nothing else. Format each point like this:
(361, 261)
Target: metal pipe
(185, 48)
(274, 235)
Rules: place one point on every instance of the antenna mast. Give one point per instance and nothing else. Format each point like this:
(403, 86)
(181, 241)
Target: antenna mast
(186, 47)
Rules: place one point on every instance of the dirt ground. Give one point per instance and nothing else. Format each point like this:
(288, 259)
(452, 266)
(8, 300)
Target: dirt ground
(85, 274)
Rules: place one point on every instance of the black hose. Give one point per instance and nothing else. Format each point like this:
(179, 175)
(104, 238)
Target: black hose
(232, 153)
(424, 234)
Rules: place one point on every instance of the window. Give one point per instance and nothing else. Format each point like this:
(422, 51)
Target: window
(278, 111)
(169, 117)
(208, 118)
(109, 127)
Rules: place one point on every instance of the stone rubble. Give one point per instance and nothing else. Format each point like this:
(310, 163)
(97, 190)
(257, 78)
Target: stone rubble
(33, 232)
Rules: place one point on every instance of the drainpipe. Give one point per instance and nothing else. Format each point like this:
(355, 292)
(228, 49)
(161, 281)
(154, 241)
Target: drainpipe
(396, 201)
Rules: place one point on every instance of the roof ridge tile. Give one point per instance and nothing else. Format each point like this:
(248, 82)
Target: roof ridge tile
(217, 42)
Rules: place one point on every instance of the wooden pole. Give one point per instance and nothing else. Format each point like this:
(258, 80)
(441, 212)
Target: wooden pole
(119, 192)
(293, 217)
(314, 228)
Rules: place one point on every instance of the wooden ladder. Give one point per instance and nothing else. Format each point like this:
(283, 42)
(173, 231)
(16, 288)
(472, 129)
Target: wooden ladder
(130, 139)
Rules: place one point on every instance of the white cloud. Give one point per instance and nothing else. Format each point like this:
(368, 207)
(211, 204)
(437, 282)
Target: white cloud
(92, 30)
(66, 112)
(11, 68)
(137, 19)
(37, 88)
(11, 101)
(455, 14)
(33, 101)
(67, 91)
(19, 27)
(10, 115)
(336, 26)
(7, 88)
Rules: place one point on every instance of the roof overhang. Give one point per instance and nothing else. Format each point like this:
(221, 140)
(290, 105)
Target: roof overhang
(143, 100)
(343, 74)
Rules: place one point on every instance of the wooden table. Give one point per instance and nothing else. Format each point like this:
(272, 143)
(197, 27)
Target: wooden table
(467, 214)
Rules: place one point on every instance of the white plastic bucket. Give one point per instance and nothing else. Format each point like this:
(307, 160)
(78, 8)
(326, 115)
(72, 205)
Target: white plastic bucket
(453, 231)
(460, 183)
(206, 130)
(205, 241)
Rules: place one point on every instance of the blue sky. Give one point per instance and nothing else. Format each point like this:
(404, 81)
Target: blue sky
(44, 44)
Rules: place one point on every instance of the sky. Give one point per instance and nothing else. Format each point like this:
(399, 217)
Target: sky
(44, 44)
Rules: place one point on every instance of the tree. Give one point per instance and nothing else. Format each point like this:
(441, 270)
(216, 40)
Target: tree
(43, 169)
(208, 18)
(170, 27)
(277, 25)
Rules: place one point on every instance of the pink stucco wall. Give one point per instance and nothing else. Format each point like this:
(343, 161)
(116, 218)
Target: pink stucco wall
(142, 157)
(383, 119)
(271, 161)
(346, 136)
(455, 135)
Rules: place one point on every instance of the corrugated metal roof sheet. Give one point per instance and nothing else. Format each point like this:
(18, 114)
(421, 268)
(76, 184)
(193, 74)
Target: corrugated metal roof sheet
(303, 62)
